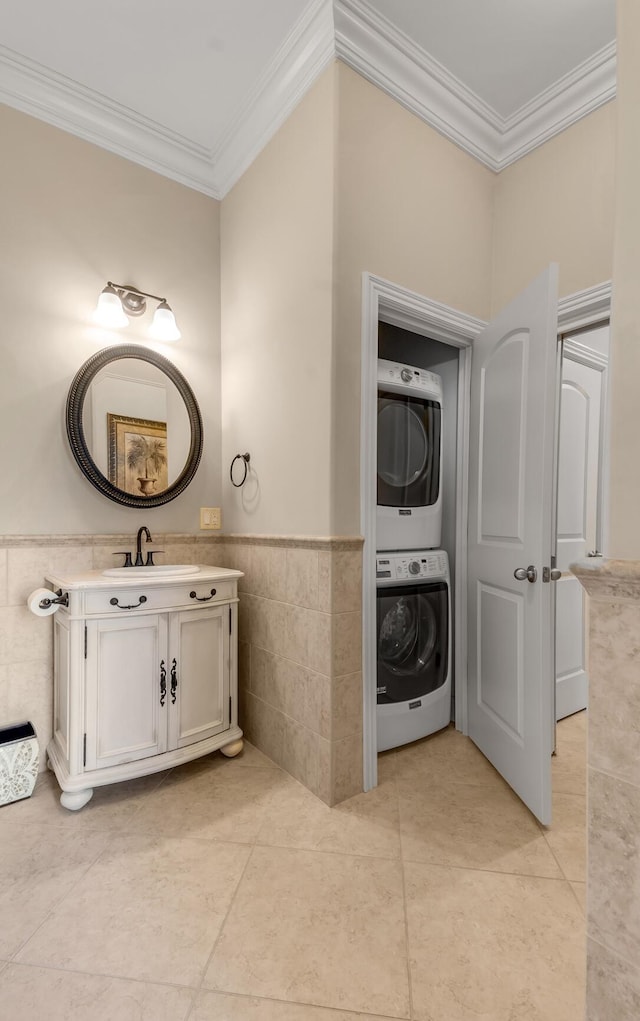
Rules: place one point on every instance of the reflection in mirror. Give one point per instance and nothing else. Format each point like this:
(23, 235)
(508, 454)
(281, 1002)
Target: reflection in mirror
(134, 426)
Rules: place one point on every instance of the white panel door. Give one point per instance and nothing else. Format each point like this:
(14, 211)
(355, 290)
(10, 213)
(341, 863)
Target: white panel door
(125, 691)
(578, 476)
(511, 464)
(199, 674)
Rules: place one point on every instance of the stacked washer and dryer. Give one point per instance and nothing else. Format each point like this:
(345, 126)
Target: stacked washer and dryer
(413, 601)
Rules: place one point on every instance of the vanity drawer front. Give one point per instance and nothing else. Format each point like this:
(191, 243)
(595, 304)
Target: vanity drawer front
(158, 597)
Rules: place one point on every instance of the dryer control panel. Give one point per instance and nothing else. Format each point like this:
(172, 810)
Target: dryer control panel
(412, 566)
(401, 378)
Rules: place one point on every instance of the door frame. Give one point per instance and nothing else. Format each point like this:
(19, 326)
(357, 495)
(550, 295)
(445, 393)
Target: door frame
(577, 352)
(391, 303)
(385, 301)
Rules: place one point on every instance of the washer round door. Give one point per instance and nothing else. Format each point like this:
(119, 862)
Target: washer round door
(412, 641)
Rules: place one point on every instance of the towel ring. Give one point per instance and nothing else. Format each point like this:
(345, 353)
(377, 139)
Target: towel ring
(240, 457)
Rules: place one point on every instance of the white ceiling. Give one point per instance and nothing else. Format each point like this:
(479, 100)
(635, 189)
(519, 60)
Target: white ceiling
(194, 88)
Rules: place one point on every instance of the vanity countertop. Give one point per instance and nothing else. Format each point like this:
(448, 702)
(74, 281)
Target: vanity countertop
(131, 578)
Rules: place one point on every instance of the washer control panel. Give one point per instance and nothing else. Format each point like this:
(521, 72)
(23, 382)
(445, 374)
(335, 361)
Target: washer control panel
(408, 377)
(394, 568)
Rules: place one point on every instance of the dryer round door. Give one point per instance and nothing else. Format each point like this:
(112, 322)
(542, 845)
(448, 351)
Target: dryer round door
(408, 456)
(412, 643)
(404, 450)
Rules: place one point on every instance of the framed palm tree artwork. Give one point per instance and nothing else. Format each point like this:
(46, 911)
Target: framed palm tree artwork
(137, 454)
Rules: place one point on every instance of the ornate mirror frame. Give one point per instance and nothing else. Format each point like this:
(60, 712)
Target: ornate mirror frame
(75, 429)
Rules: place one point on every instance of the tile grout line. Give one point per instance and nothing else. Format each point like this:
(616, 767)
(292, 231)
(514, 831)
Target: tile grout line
(54, 907)
(97, 974)
(304, 1003)
(491, 872)
(322, 850)
(198, 988)
(614, 953)
(555, 856)
(404, 905)
(583, 909)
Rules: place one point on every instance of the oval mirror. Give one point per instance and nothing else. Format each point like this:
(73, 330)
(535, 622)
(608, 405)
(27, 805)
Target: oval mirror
(134, 426)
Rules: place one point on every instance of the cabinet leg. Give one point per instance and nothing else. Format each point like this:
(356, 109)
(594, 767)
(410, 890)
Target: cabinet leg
(74, 800)
(233, 749)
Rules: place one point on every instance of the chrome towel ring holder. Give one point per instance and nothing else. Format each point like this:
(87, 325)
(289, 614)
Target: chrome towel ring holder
(245, 458)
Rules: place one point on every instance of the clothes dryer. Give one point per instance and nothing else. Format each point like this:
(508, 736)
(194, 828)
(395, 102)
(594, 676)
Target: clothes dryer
(413, 634)
(409, 458)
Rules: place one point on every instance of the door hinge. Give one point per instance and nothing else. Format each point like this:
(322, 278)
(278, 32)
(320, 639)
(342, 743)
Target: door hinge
(230, 704)
(229, 620)
(85, 641)
(84, 750)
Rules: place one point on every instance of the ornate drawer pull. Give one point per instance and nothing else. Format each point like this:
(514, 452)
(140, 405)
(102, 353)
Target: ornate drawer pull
(174, 682)
(202, 599)
(131, 606)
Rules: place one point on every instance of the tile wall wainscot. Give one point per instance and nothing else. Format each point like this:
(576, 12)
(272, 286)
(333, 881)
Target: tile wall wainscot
(300, 638)
(613, 927)
(300, 655)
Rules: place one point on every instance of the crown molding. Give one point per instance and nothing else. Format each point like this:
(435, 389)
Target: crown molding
(371, 45)
(64, 103)
(374, 48)
(362, 39)
(578, 93)
(306, 52)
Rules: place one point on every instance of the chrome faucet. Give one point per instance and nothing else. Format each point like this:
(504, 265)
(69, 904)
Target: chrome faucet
(139, 561)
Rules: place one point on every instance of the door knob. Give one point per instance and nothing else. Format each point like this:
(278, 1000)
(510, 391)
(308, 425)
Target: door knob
(526, 574)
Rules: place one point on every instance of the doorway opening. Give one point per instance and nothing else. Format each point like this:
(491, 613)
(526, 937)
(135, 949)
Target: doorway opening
(580, 502)
(431, 334)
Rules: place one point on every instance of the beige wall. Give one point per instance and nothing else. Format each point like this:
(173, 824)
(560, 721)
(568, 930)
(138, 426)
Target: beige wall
(414, 209)
(72, 216)
(624, 531)
(556, 205)
(277, 238)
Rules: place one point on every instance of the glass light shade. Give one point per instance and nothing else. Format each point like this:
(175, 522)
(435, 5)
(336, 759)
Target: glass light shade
(109, 311)
(164, 326)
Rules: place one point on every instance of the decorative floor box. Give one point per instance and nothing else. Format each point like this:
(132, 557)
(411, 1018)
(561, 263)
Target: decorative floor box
(18, 762)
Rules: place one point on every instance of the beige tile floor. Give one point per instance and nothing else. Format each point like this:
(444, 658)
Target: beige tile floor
(224, 891)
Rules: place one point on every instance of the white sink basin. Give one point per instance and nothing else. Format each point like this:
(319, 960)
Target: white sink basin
(166, 570)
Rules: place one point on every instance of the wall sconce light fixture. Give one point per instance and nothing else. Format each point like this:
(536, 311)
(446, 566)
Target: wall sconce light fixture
(119, 301)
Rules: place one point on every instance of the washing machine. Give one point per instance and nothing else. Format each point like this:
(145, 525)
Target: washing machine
(413, 636)
(409, 458)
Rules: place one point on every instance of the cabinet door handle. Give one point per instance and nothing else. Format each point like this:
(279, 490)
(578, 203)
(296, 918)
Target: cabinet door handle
(202, 599)
(163, 683)
(174, 682)
(131, 606)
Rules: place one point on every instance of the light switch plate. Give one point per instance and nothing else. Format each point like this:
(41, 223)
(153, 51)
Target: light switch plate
(210, 517)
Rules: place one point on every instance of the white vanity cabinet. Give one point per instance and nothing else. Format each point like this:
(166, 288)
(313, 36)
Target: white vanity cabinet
(145, 675)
